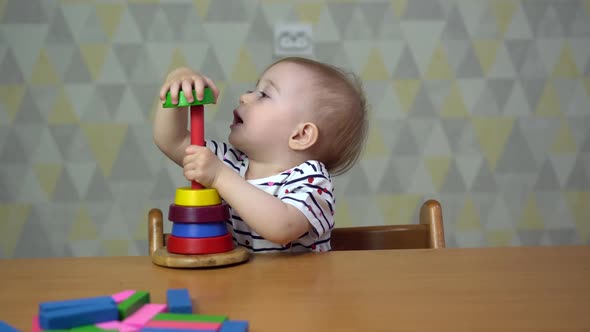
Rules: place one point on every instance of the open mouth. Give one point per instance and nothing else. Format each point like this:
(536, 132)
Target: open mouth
(237, 119)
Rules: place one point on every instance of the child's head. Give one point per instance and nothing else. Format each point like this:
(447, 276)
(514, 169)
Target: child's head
(303, 109)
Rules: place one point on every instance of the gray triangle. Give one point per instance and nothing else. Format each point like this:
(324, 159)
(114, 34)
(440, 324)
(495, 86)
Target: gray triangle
(11, 175)
(212, 68)
(422, 130)
(563, 236)
(60, 56)
(359, 184)
(566, 12)
(144, 94)
(501, 90)
(96, 109)
(193, 31)
(9, 70)
(164, 187)
(261, 54)
(438, 91)
(578, 179)
(469, 66)
(130, 164)
(486, 103)
(390, 29)
(565, 88)
(128, 30)
(579, 26)
(63, 135)
(454, 26)
(534, 11)
(17, 11)
(531, 237)
(453, 181)
(30, 137)
(453, 129)
(486, 26)
(65, 191)
(144, 71)
(112, 71)
(98, 190)
(161, 30)
(260, 30)
(92, 31)
(518, 50)
(33, 242)
(227, 11)
(374, 13)
(547, 180)
(423, 10)
(586, 145)
(144, 15)
(59, 31)
(80, 174)
(517, 156)
(406, 67)
(484, 180)
(112, 95)
(533, 66)
(178, 16)
(72, 143)
(455, 50)
(423, 106)
(400, 174)
(533, 89)
(28, 111)
(406, 143)
(128, 55)
(341, 13)
(77, 71)
(14, 151)
(549, 26)
(357, 28)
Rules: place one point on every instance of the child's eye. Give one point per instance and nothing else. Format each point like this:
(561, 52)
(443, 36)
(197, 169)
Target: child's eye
(262, 94)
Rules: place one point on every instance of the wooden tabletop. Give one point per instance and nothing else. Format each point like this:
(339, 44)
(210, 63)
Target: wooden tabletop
(492, 289)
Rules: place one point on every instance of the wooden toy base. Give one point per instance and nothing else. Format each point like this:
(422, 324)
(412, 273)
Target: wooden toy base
(160, 255)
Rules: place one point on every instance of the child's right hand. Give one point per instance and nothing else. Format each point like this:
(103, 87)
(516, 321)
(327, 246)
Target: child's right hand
(187, 80)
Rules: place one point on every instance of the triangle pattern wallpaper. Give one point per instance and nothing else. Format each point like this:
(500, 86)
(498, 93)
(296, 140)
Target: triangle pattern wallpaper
(483, 105)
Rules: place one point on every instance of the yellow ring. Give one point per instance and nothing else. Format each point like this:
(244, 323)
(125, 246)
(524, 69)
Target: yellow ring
(187, 196)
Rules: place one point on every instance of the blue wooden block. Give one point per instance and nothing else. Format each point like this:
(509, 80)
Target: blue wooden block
(179, 301)
(4, 327)
(208, 229)
(234, 326)
(69, 317)
(53, 305)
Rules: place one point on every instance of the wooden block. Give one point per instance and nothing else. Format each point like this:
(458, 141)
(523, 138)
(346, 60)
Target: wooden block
(122, 296)
(164, 329)
(190, 318)
(91, 328)
(71, 317)
(132, 304)
(234, 326)
(179, 301)
(53, 305)
(183, 325)
(4, 327)
(145, 314)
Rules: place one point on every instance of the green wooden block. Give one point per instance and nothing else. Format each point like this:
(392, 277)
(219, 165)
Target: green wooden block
(134, 302)
(190, 318)
(89, 328)
(208, 98)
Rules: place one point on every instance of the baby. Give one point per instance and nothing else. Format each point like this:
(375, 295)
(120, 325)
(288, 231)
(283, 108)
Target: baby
(305, 122)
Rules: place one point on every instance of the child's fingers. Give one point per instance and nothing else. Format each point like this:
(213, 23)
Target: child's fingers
(174, 88)
(199, 86)
(212, 86)
(163, 91)
(187, 88)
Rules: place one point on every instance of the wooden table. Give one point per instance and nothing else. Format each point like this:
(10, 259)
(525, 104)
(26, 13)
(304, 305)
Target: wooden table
(492, 289)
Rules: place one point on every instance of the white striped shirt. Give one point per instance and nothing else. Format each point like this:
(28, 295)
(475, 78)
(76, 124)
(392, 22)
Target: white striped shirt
(308, 187)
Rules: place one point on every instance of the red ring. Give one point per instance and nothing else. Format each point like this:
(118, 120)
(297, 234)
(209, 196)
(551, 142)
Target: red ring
(199, 246)
(198, 214)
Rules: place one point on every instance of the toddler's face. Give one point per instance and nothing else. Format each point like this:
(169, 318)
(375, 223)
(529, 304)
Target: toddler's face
(268, 115)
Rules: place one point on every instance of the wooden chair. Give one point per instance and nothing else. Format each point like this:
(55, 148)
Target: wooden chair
(428, 233)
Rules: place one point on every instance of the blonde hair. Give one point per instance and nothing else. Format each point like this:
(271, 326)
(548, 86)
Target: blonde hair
(341, 114)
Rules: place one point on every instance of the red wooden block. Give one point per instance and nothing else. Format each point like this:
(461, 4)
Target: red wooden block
(198, 214)
(199, 246)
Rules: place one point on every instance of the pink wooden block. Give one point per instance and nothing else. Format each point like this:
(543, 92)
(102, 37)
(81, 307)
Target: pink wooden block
(184, 325)
(36, 327)
(128, 328)
(112, 325)
(122, 296)
(145, 314)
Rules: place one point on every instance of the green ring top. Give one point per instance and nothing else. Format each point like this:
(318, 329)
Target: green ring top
(208, 98)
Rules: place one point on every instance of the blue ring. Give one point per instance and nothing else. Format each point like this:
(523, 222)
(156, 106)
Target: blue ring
(207, 229)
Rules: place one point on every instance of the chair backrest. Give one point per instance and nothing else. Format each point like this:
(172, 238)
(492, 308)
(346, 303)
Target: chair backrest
(429, 233)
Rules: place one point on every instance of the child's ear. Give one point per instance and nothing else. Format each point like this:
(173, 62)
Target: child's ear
(304, 136)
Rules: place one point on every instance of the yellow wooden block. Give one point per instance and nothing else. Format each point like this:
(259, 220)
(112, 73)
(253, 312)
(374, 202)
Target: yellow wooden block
(187, 196)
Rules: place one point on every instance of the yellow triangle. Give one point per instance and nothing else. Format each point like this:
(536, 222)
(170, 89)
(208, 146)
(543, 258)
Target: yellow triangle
(63, 111)
(453, 106)
(503, 11)
(202, 7)
(587, 3)
(116, 247)
(109, 15)
(531, 218)
(549, 102)
(375, 67)
(438, 167)
(47, 175)
(105, 142)
(178, 60)
(44, 72)
(468, 219)
(578, 204)
(83, 227)
(499, 238)
(244, 70)
(564, 141)
(2, 5)
(492, 133)
(309, 12)
(14, 217)
(342, 215)
(399, 7)
(439, 68)
(94, 56)
(375, 146)
(566, 65)
(398, 209)
(486, 53)
(406, 91)
(11, 97)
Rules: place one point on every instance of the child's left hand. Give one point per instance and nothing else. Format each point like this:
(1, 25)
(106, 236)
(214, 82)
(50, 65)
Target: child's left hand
(201, 165)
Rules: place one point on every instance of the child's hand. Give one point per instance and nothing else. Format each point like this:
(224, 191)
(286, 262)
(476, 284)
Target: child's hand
(201, 165)
(186, 79)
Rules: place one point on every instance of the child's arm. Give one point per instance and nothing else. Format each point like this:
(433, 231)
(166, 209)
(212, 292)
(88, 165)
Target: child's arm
(170, 126)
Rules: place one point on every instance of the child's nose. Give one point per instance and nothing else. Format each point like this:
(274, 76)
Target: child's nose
(245, 97)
